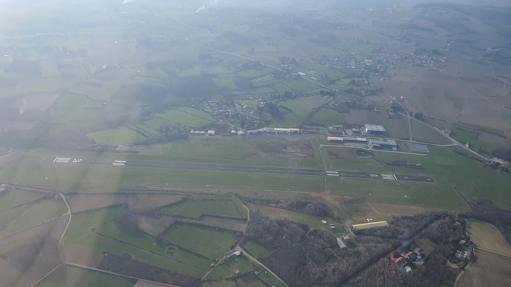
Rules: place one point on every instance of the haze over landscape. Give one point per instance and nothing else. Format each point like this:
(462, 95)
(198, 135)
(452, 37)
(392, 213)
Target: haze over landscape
(245, 143)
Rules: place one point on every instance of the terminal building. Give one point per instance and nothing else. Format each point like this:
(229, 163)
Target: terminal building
(374, 130)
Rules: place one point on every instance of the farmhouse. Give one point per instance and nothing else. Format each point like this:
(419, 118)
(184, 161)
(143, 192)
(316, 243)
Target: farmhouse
(383, 144)
(374, 130)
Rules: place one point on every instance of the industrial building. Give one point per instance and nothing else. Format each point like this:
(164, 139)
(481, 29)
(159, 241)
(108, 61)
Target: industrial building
(374, 130)
(335, 139)
(355, 140)
(418, 148)
(383, 144)
(337, 129)
(286, 131)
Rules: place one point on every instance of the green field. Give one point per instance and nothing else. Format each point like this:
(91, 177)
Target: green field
(99, 231)
(232, 267)
(250, 281)
(188, 117)
(297, 111)
(313, 222)
(256, 249)
(208, 242)
(253, 151)
(212, 207)
(119, 136)
(470, 136)
(14, 198)
(70, 276)
(328, 117)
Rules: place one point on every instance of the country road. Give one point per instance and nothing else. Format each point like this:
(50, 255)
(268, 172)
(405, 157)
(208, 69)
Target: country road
(69, 220)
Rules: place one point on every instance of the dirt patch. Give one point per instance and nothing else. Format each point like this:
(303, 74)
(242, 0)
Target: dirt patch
(86, 202)
(448, 96)
(153, 226)
(24, 238)
(79, 254)
(9, 275)
(36, 258)
(489, 270)
(487, 237)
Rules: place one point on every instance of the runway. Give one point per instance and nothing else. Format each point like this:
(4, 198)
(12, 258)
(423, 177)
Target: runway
(209, 167)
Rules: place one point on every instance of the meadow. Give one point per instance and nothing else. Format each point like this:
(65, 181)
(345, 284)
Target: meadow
(213, 207)
(71, 276)
(100, 231)
(205, 241)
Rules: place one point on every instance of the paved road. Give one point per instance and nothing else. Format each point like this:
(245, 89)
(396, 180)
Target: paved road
(269, 170)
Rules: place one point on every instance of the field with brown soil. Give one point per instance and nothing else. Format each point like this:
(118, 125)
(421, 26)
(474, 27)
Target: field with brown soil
(450, 96)
(32, 253)
(85, 202)
(10, 276)
(82, 255)
(488, 238)
(144, 202)
(153, 226)
(489, 270)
